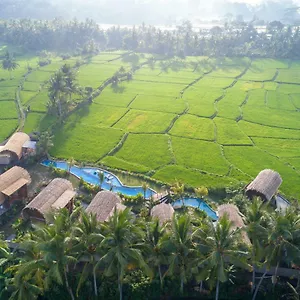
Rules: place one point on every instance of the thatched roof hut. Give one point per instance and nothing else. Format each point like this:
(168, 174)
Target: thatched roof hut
(59, 193)
(104, 204)
(265, 185)
(13, 180)
(164, 212)
(235, 217)
(14, 145)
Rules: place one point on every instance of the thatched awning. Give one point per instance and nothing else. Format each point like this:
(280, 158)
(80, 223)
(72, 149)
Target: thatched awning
(57, 194)
(64, 199)
(103, 205)
(235, 217)
(15, 186)
(13, 179)
(265, 185)
(15, 144)
(164, 212)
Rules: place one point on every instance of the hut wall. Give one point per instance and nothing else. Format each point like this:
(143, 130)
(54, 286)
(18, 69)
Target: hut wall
(32, 214)
(2, 198)
(251, 194)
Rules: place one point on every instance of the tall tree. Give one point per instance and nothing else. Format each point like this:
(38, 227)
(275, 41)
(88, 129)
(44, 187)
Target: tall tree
(9, 63)
(122, 245)
(219, 245)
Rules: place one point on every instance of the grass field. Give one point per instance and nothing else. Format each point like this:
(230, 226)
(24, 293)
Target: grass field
(200, 120)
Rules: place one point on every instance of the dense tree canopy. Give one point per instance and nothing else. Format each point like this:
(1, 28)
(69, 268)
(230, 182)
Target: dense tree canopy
(80, 37)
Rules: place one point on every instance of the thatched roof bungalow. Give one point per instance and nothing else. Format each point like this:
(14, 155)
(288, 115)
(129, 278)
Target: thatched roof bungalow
(265, 185)
(13, 149)
(104, 204)
(59, 193)
(13, 185)
(164, 212)
(235, 217)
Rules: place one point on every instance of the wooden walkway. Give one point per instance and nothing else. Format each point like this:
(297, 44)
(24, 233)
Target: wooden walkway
(160, 197)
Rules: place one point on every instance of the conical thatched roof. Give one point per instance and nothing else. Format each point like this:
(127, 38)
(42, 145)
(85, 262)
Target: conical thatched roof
(13, 179)
(57, 194)
(15, 144)
(266, 184)
(234, 216)
(164, 212)
(103, 205)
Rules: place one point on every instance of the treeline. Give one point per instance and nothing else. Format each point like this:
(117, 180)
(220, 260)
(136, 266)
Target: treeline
(77, 37)
(136, 257)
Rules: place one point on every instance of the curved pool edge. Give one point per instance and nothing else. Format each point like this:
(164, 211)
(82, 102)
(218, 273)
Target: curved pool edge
(213, 214)
(95, 168)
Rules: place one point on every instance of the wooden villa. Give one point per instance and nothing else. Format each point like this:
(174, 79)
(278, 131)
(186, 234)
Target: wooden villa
(12, 151)
(235, 217)
(265, 185)
(59, 193)
(13, 186)
(104, 204)
(163, 212)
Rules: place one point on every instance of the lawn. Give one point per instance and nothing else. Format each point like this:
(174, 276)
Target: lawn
(147, 150)
(172, 173)
(145, 121)
(159, 104)
(272, 117)
(202, 101)
(279, 101)
(256, 130)
(7, 127)
(256, 98)
(73, 141)
(228, 132)
(33, 121)
(8, 110)
(229, 106)
(201, 155)
(39, 102)
(214, 82)
(111, 97)
(194, 127)
(31, 86)
(117, 163)
(39, 76)
(7, 93)
(263, 69)
(26, 96)
(97, 115)
(278, 147)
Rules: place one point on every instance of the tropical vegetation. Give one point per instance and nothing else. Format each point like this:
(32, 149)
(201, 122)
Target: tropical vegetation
(76, 257)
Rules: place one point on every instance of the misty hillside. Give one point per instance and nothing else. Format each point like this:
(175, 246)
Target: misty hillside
(167, 12)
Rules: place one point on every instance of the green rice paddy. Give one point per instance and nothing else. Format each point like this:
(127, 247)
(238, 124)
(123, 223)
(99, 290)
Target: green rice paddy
(203, 121)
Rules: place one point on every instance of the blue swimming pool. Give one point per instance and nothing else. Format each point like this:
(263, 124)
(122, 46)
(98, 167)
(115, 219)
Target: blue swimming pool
(90, 175)
(198, 203)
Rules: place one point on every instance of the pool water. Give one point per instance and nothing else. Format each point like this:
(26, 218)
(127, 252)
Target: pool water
(90, 175)
(197, 203)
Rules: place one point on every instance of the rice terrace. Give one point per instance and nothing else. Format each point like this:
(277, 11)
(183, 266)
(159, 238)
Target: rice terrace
(214, 121)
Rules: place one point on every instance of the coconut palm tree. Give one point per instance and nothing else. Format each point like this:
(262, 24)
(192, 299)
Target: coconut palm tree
(219, 246)
(282, 244)
(87, 238)
(257, 225)
(71, 163)
(145, 187)
(101, 178)
(44, 143)
(9, 63)
(201, 191)
(181, 247)
(156, 237)
(178, 190)
(122, 245)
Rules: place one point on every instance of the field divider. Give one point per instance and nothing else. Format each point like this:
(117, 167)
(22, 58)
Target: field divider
(116, 148)
(240, 117)
(176, 118)
(113, 124)
(230, 163)
(245, 71)
(128, 105)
